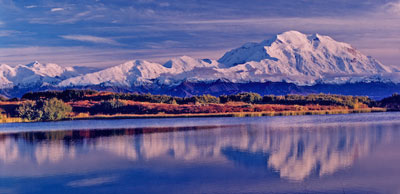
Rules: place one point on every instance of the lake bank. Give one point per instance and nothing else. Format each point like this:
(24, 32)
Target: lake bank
(228, 114)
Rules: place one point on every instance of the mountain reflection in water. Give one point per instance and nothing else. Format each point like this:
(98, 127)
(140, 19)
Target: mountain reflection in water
(292, 153)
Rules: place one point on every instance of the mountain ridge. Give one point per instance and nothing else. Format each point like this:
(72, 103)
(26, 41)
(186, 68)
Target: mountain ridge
(292, 57)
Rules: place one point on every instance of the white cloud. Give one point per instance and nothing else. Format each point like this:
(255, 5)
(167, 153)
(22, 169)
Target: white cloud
(92, 39)
(393, 7)
(76, 17)
(30, 6)
(96, 57)
(91, 181)
(5, 33)
(57, 9)
(67, 56)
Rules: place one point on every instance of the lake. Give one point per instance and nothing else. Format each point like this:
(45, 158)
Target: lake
(355, 153)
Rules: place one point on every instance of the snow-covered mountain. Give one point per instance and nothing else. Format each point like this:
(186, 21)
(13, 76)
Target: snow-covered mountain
(138, 72)
(37, 74)
(302, 59)
(290, 57)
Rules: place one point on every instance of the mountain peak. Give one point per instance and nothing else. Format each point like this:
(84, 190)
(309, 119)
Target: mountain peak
(294, 53)
(299, 40)
(33, 64)
(290, 34)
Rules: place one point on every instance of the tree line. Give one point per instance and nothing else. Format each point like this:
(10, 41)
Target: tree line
(55, 105)
(246, 97)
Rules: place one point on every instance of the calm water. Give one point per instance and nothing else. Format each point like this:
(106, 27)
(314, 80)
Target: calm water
(358, 153)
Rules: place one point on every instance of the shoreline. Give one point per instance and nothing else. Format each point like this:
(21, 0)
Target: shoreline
(193, 115)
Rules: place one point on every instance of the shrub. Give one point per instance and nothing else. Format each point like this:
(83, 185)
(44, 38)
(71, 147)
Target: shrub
(29, 111)
(109, 107)
(248, 97)
(48, 110)
(55, 109)
(3, 98)
(172, 101)
(74, 95)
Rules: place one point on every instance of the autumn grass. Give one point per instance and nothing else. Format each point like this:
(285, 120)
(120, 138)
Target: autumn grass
(231, 114)
(87, 116)
(5, 119)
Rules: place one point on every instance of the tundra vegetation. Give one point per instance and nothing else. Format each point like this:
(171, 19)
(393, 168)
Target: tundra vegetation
(70, 104)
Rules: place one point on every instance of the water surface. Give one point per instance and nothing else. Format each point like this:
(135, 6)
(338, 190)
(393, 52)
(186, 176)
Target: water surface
(357, 153)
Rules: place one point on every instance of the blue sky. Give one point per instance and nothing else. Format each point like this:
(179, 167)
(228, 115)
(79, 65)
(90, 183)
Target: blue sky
(104, 33)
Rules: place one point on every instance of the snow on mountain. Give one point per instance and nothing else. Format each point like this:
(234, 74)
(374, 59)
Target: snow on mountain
(5, 72)
(293, 57)
(35, 74)
(45, 70)
(300, 58)
(130, 73)
(186, 63)
(140, 72)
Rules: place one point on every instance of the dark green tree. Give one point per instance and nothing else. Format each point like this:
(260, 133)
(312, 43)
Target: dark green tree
(29, 111)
